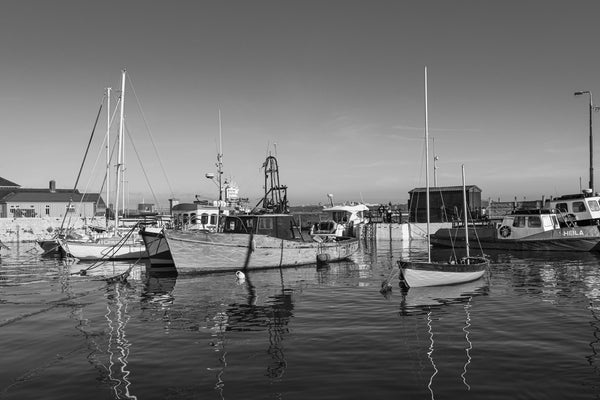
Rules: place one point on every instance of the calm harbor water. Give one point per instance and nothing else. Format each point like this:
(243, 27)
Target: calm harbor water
(531, 329)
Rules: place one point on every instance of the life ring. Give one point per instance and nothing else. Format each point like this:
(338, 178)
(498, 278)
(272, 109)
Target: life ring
(505, 231)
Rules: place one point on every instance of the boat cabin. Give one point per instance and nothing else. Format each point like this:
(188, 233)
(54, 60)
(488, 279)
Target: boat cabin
(524, 223)
(282, 226)
(582, 208)
(196, 216)
(341, 220)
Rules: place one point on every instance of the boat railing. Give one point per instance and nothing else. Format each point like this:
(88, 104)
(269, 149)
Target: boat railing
(482, 223)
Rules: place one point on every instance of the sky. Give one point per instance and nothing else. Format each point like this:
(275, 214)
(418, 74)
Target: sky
(334, 89)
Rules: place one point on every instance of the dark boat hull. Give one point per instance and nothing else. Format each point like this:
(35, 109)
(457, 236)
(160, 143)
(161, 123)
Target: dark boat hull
(584, 238)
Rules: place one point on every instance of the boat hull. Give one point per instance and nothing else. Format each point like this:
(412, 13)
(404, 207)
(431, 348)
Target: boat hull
(421, 274)
(209, 252)
(105, 251)
(51, 247)
(583, 238)
(157, 246)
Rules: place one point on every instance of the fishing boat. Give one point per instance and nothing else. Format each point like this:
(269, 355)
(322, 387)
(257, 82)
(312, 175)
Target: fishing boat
(580, 209)
(268, 237)
(454, 271)
(341, 220)
(526, 230)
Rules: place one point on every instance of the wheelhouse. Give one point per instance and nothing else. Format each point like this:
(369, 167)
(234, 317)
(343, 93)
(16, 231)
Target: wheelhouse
(524, 223)
(582, 208)
(282, 226)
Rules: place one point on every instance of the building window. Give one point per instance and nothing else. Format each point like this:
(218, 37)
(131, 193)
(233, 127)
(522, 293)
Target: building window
(47, 210)
(70, 208)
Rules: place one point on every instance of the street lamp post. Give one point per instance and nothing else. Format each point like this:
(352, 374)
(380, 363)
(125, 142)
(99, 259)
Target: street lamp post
(591, 183)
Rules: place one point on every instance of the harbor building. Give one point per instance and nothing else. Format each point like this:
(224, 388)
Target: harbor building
(446, 203)
(19, 202)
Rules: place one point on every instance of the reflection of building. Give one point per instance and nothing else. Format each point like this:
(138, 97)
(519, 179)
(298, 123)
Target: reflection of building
(445, 203)
(17, 202)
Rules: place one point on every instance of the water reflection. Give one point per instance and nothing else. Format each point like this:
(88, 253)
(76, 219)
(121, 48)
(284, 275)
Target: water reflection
(431, 301)
(273, 316)
(117, 317)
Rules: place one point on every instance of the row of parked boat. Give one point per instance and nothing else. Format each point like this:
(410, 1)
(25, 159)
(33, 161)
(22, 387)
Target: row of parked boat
(267, 237)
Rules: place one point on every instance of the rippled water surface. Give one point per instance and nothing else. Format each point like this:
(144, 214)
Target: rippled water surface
(530, 329)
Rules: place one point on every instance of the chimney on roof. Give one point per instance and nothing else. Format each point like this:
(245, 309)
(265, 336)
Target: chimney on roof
(52, 186)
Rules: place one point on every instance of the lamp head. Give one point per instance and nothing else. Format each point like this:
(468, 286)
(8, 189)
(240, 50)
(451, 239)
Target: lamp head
(209, 175)
(581, 92)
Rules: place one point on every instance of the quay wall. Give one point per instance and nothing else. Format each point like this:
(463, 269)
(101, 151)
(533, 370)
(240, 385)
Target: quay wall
(407, 231)
(31, 229)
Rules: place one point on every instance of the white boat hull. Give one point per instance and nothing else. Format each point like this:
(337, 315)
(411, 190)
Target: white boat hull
(105, 251)
(421, 274)
(210, 252)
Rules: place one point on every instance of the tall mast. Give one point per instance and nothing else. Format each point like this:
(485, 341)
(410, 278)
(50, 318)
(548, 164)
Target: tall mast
(465, 212)
(107, 154)
(220, 171)
(427, 168)
(120, 152)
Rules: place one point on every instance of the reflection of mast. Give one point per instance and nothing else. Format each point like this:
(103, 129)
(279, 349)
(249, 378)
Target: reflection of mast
(429, 354)
(596, 324)
(118, 345)
(470, 345)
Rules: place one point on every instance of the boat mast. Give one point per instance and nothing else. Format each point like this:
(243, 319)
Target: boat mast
(427, 169)
(120, 153)
(220, 169)
(107, 155)
(465, 212)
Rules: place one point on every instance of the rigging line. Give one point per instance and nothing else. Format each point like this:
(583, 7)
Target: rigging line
(141, 165)
(83, 161)
(150, 134)
(88, 184)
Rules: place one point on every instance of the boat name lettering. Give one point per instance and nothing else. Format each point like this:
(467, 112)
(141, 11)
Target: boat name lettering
(573, 232)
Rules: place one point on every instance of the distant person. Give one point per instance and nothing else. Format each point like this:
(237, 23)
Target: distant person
(389, 212)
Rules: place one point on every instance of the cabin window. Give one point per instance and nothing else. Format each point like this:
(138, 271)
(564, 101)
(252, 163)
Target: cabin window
(193, 218)
(578, 206)
(535, 222)
(593, 205)
(519, 222)
(48, 210)
(555, 221)
(204, 219)
(265, 223)
(213, 219)
(562, 207)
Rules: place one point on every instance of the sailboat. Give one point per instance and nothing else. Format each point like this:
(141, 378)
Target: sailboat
(117, 247)
(429, 273)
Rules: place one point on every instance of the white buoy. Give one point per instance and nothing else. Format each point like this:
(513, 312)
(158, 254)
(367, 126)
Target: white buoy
(240, 275)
